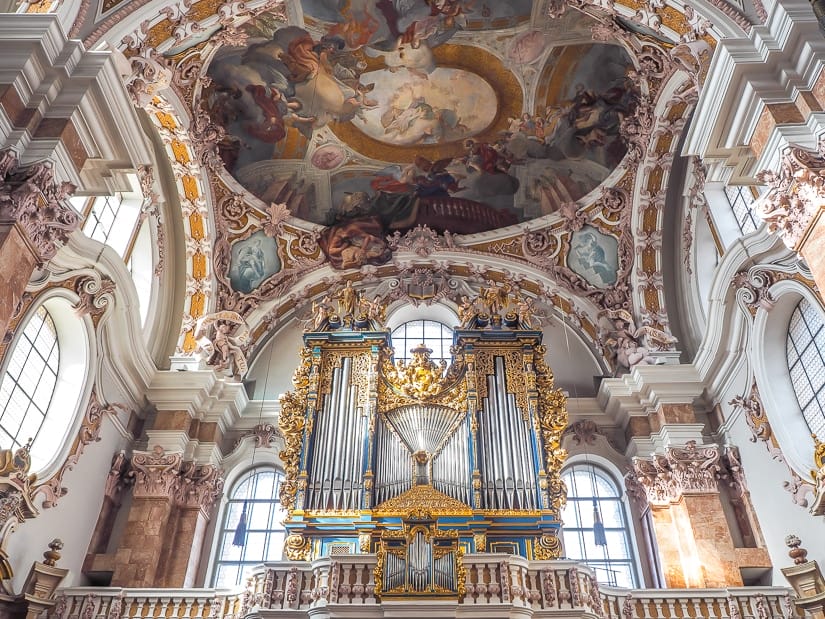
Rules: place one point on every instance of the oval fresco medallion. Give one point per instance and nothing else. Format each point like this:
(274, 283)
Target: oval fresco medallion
(445, 106)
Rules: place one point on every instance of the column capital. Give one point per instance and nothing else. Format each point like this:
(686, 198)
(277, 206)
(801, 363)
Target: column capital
(32, 198)
(667, 477)
(162, 475)
(156, 473)
(795, 194)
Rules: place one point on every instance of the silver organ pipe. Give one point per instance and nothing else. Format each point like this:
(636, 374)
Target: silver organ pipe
(336, 451)
(394, 569)
(452, 474)
(508, 471)
(393, 464)
(444, 572)
(419, 554)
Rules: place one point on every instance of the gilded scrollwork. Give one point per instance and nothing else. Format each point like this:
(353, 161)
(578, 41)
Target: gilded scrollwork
(547, 547)
(551, 420)
(291, 423)
(297, 547)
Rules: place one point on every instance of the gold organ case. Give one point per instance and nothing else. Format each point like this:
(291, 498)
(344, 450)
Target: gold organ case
(418, 461)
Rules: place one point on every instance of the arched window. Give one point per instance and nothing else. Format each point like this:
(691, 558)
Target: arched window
(257, 494)
(806, 342)
(43, 378)
(435, 335)
(614, 563)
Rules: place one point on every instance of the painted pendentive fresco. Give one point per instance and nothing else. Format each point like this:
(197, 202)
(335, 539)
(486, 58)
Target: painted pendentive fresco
(379, 116)
(594, 256)
(253, 261)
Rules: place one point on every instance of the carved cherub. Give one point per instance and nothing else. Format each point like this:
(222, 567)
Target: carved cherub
(495, 298)
(623, 339)
(225, 347)
(466, 310)
(526, 312)
(374, 310)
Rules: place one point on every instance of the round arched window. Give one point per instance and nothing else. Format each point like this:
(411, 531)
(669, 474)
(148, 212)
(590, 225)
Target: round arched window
(253, 501)
(590, 491)
(434, 335)
(805, 346)
(42, 381)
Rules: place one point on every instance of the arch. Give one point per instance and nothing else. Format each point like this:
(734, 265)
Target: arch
(253, 497)
(432, 333)
(593, 482)
(770, 333)
(52, 385)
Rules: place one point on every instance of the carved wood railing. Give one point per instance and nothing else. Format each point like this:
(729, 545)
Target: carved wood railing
(537, 588)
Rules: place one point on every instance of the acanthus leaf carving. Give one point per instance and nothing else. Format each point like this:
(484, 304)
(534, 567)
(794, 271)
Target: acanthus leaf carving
(32, 198)
(794, 195)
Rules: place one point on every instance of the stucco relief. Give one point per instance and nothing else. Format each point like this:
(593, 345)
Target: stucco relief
(32, 197)
(795, 193)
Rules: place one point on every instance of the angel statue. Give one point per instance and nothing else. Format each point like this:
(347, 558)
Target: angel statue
(625, 340)
(495, 298)
(224, 347)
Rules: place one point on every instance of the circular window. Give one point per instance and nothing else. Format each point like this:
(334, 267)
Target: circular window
(434, 335)
(42, 381)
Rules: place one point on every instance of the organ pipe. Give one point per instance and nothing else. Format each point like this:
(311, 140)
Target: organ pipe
(381, 439)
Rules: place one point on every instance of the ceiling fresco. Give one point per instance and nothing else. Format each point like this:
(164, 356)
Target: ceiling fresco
(377, 117)
(430, 146)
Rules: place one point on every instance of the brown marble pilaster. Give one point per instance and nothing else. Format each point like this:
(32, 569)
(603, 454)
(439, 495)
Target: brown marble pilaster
(172, 502)
(35, 220)
(698, 545)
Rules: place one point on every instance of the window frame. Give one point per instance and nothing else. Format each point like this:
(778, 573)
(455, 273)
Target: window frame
(222, 531)
(78, 357)
(741, 205)
(770, 371)
(403, 351)
(813, 407)
(608, 472)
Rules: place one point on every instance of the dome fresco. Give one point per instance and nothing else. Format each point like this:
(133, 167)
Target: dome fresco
(377, 117)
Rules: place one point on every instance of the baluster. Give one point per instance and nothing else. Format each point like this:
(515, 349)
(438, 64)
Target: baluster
(671, 607)
(141, 603)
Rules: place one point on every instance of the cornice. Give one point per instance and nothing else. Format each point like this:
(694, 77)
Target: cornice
(771, 66)
(646, 388)
(201, 393)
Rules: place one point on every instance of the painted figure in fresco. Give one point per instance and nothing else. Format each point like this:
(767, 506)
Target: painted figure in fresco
(352, 244)
(251, 264)
(591, 255)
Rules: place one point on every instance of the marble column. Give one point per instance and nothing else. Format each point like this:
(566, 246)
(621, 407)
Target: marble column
(35, 220)
(699, 544)
(172, 502)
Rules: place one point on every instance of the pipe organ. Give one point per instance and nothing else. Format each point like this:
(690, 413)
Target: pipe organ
(422, 461)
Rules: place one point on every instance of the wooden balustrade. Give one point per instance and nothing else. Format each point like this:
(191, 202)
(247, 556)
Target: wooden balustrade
(530, 588)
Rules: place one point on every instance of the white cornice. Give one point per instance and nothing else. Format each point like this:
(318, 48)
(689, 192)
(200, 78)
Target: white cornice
(203, 394)
(771, 66)
(646, 388)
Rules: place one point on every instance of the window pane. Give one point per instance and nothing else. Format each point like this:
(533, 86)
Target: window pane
(29, 381)
(434, 335)
(806, 365)
(613, 564)
(265, 535)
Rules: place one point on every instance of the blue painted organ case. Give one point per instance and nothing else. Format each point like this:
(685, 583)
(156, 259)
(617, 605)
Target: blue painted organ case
(422, 462)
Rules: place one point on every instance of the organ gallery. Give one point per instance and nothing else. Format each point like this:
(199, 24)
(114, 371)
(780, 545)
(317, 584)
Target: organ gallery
(378, 309)
(421, 461)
